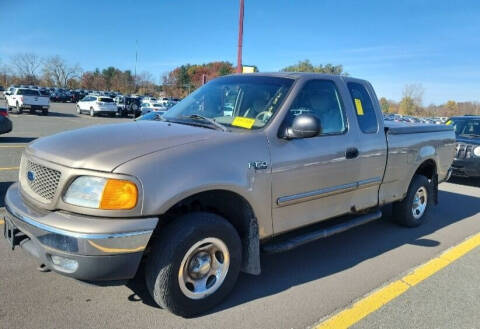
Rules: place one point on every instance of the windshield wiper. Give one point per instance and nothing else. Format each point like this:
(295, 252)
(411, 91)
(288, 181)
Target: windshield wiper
(198, 117)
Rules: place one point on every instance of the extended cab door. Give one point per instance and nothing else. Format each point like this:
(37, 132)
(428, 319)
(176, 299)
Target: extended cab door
(315, 178)
(370, 142)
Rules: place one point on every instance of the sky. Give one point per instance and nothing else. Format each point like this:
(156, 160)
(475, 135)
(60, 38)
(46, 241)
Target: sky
(390, 43)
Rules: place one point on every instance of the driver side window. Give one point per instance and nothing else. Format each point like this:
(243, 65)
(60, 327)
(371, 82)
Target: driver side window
(321, 99)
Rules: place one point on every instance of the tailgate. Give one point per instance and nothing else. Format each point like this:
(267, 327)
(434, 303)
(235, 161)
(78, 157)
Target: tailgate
(36, 100)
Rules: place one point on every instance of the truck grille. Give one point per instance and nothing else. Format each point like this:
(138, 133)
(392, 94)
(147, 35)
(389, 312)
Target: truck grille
(42, 180)
(463, 151)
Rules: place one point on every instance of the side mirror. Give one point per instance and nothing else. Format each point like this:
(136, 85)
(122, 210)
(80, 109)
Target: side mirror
(303, 126)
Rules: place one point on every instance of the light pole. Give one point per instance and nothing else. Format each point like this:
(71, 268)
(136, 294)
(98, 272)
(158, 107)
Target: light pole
(240, 39)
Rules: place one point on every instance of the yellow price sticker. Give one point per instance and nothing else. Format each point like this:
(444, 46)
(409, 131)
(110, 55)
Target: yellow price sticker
(449, 122)
(243, 122)
(358, 105)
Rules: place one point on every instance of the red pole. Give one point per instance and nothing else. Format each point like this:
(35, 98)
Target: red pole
(240, 39)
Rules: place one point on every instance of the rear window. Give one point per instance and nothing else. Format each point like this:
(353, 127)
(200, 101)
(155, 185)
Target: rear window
(105, 100)
(27, 92)
(367, 120)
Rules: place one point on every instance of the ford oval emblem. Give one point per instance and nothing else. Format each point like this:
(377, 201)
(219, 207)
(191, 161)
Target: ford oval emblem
(30, 176)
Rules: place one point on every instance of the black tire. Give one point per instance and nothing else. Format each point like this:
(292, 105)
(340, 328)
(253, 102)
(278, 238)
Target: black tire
(44, 112)
(403, 210)
(170, 248)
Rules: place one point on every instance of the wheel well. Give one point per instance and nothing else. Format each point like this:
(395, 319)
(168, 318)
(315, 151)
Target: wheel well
(427, 169)
(231, 206)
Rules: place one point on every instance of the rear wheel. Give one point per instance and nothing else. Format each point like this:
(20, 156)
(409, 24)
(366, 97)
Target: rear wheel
(194, 264)
(413, 210)
(79, 111)
(44, 112)
(19, 109)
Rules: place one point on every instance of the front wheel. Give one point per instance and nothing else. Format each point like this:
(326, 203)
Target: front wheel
(413, 210)
(194, 264)
(79, 111)
(92, 112)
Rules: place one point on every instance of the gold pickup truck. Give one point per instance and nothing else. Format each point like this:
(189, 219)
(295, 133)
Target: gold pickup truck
(246, 164)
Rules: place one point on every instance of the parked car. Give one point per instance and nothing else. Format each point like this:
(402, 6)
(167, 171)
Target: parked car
(95, 105)
(157, 115)
(5, 123)
(467, 154)
(196, 195)
(27, 99)
(150, 106)
(128, 105)
(58, 97)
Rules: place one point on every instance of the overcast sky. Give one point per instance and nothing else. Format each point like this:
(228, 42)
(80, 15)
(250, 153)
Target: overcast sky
(390, 43)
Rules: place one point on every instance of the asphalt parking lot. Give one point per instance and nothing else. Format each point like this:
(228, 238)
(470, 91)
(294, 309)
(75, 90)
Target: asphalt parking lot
(295, 290)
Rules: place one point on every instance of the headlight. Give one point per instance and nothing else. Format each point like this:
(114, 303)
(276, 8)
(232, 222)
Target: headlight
(102, 193)
(476, 151)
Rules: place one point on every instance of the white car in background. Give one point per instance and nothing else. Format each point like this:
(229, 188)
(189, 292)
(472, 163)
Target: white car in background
(148, 107)
(94, 105)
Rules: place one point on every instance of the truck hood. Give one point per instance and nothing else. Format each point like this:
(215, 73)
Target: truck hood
(106, 147)
(468, 140)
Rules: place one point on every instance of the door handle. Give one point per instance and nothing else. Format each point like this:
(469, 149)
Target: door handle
(351, 153)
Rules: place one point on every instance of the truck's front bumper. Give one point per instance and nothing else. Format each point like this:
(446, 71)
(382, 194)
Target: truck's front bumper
(466, 167)
(85, 248)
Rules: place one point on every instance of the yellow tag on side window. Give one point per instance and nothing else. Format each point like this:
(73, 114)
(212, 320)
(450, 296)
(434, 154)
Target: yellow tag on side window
(358, 105)
(449, 122)
(243, 122)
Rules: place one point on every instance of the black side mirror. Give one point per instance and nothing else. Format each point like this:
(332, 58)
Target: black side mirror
(303, 126)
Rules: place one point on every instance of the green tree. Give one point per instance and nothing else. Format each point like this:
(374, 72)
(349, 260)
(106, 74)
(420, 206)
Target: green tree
(385, 105)
(307, 66)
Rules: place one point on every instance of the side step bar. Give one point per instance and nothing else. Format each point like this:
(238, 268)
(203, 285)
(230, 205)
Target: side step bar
(320, 233)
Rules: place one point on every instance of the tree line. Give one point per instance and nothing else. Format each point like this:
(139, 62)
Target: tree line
(54, 71)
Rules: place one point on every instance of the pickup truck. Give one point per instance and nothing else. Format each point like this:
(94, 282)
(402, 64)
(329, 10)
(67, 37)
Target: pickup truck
(27, 99)
(198, 194)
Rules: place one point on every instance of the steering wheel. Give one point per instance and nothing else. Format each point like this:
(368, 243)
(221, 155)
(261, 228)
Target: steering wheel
(263, 116)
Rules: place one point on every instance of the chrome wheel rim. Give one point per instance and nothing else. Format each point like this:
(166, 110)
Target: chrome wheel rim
(419, 202)
(203, 268)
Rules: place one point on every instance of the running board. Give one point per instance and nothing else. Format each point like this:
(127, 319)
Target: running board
(293, 241)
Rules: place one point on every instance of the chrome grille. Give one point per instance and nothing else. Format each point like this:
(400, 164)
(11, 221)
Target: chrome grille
(44, 181)
(463, 151)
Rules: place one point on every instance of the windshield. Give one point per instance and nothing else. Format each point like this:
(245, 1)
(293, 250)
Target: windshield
(466, 127)
(246, 102)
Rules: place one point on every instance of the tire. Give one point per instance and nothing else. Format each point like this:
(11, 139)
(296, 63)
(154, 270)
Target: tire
(403, 211)
(44, 112)
(169, 255)
(19, 109)
(92, 112)
(79, 111)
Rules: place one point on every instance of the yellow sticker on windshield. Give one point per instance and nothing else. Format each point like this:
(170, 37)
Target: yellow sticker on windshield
(243, 122)
(449, 122)
(358, 105)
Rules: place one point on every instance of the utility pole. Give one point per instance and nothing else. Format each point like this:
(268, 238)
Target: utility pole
(240, 39)
(136, 58)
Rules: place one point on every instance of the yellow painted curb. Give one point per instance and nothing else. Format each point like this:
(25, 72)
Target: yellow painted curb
(378, 298)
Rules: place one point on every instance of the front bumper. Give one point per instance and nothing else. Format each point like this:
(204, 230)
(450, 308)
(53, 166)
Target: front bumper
(466, 167)
(104, 248)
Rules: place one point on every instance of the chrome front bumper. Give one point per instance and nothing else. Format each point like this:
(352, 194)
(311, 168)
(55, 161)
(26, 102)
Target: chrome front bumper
(105, 248)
